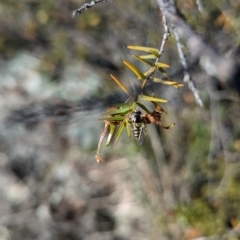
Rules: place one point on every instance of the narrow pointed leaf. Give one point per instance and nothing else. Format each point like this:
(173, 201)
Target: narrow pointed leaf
(143, 49)
(164, 73)
(147, 72)
(128, 128)
(143, 60)
(162, 65)
(143, 107)
(156, 54)
(120, 84)
(148, 56)
(119, 132)
(134, 69)
(113, 118)
(134, 105)
(123, 110)
(171, 83)
(110, 134)
(153, 99)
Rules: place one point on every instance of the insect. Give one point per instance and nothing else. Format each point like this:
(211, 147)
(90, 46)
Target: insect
(126, 115)
(138, 127)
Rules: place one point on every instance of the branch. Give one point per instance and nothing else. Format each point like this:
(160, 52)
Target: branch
(86, 6)
(187, 77)
(226, 70)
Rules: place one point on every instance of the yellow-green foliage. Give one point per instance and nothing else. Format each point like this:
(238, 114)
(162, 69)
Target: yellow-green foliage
(201, 216)
(215, 215)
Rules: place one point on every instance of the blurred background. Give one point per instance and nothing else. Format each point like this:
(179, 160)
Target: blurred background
(182, 183)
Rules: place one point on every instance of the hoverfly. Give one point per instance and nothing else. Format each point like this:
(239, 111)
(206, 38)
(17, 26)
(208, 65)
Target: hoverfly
(138, 126)
(126, 115)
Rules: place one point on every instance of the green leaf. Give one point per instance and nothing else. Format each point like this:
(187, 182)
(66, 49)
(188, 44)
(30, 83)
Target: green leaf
(143, 107)
(171, 83)
(143, 49)
(119, 132)
(113, 118)
(149, 56)
(120, 84)
(158, 64)
(128, 128)
(110, 134)
(148, 72)
(162, 65)
(164, 73)
(156, 54)
(143, 60)
(153, 99)
(135, 70)
(123, 110)
(134, 105)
